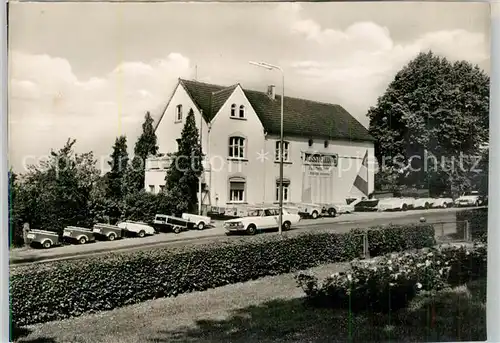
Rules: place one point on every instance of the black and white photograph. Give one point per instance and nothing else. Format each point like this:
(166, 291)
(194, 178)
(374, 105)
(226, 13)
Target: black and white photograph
(248, 172)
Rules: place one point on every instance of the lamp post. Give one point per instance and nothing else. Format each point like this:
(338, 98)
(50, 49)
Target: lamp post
(271, 67)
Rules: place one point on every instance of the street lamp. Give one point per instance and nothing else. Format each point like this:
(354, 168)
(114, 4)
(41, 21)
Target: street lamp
(270, 67)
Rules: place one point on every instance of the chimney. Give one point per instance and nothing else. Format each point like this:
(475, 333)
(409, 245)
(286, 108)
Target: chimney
(271, 92)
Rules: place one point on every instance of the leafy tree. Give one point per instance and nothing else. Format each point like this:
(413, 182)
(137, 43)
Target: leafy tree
(118, 164)
(144, 147)
(185, 170)
(15, 211)
(56, 193)
(431, 120)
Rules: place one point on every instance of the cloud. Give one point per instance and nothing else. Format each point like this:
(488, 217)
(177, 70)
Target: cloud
(355, 65)
(49, 103)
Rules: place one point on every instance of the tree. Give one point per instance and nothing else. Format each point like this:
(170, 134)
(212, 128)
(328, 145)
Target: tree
(118, 164)
(56, 193)
(185, 169)
(432, 119)
(144, 147)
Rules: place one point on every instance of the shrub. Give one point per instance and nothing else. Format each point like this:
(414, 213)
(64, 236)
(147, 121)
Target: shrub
(478, 223)
(391, 282)
(70, 288)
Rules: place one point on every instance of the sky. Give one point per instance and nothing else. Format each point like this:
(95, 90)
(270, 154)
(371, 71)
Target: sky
(90, 71)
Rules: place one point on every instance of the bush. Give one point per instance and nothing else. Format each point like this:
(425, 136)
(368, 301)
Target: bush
(391, 282)
(70, 288)
(478, 223)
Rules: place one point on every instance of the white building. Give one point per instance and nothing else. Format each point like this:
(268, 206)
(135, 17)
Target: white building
(240, 137)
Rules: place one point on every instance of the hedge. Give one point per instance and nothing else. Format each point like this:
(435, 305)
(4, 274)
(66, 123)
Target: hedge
(478, 223)
(70, 288)
(390, 283)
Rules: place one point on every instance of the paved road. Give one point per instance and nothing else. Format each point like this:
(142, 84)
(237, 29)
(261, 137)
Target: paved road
(339, 224)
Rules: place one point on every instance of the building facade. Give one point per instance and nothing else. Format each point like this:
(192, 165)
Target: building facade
(324, 146)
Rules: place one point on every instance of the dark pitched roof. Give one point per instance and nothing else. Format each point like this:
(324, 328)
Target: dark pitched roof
(304, 118)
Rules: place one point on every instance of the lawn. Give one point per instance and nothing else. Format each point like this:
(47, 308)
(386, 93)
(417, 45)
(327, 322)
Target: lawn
(272, 309)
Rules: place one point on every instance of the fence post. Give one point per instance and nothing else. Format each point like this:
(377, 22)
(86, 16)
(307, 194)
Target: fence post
(365, 245)
(442, 230)
(467, 232)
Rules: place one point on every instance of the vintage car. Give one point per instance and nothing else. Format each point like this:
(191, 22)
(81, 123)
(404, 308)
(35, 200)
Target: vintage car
(163, 222)
(310, 210)
(335, 209)
(200, 222)
(261, 219)
(424, 203)
(137, 228)
(472, 198)
(366, 205)
(395, 204)
(442, 203)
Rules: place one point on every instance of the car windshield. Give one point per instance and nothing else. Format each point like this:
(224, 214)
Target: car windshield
(471, 193)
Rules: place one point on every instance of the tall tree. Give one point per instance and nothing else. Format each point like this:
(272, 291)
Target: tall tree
(144, 147)
(433, 117)
(118, 164)
(185, 169)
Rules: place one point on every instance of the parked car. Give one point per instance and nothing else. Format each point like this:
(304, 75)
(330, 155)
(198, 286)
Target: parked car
(366, 205)
(261, 219)
(472, 198)
(200, 222)
(106, 231)
(80, 235)
(138, 228)
(395, 204)
(442, 202)
(335, 209)
(162, 222)
(46, 239)
(309, 210)
(424, 203)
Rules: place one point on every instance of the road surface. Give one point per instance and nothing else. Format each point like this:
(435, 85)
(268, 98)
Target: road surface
(340, 224)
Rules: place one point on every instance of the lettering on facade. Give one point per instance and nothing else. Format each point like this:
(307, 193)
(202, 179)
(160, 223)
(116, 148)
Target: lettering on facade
(321, 160)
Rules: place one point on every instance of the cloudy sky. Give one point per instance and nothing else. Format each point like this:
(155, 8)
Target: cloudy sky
(90, 71)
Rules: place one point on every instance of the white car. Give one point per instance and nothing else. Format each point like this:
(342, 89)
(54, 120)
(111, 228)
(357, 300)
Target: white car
(261, 219)
(200, 222)
(395, 204)
(310, 210)
(442, 203)
(334, 209)
(139, 228)
(468, 199)
(424, 203)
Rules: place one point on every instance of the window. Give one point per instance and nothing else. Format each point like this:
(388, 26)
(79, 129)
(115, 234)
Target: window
(310, 142)
(237, 190)
(233, 110)
(151, 188)
(242, 111)
(236, 147)
(326, 144)
(178, 116)
(178, 140)
(286, 146)
(286, 190)
(162, 188)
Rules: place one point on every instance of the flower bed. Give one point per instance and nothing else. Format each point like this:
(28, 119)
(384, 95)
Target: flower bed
(70, 288)
(390, 282)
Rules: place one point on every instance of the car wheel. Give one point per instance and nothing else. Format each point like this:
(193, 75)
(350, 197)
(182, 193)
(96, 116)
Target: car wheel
(477, 203)
(332, 212)
(427, 206)
(47, 244)
(111, 236)
(404, 207)
(82, 240)
(251, 230)
(445, 205)
(286, 226)
(177, 229)
(141, 234)
(314, 215)
(201, 226)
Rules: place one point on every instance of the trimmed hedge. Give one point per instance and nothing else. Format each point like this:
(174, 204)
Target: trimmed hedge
(70, 288)
(478, 223)
(390, 283)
